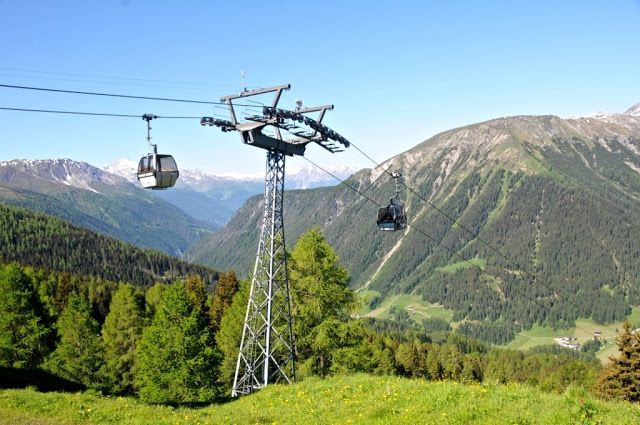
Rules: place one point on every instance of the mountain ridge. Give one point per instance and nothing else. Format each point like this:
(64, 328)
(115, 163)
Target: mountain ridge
(521, 183)
(216, 198)
(103, 202)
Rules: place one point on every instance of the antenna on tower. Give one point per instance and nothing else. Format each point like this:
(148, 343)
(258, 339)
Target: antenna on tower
(244, 88)
(299, 103)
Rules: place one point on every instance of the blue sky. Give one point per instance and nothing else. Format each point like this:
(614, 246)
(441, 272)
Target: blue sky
(397, 72)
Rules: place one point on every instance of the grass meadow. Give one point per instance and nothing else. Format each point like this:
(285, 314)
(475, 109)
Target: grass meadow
(359, 399)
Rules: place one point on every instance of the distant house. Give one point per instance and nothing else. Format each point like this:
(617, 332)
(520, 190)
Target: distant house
(566, 342)
(597, 334)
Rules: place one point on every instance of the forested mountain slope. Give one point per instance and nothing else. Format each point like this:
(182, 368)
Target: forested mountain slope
(559, 198)
(100, 201)
(42, 241)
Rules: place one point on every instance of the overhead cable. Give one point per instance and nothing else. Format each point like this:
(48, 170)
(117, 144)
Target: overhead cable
(109, 94)
(100, 114)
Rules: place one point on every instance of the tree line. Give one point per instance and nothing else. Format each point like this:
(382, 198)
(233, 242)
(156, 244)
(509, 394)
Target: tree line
(45, 242)
(175, 343)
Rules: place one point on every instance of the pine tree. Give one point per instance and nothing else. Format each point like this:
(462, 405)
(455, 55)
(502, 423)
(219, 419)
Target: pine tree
(24, 325)
(319, 292)
(319, 285)
(65, 287)
(78, 356)
(227, 287)
(230, 334)
(197, 291)
(153, 298)
(621, 378)
(121, 335)
(177, 361)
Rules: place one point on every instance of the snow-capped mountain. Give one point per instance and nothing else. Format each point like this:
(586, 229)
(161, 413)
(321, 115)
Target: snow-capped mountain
(306, 177)
(100, 201)
(309, 177)
(216, 198)
(634, 111)
(76, 174)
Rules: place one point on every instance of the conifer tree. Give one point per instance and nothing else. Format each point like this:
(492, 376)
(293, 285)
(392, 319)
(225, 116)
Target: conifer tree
(319, 285)
(24, 331)
(64, 288)
(120, 335)
(227, 287)
(78, 356)
(177, 361)
(230, 334)
(319, 292)
(152, 298)
(197, 291)
(621, 378)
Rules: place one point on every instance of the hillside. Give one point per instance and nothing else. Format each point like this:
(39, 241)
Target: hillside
(99, 201)
(559, 198)
(360, 399)
(42, 241)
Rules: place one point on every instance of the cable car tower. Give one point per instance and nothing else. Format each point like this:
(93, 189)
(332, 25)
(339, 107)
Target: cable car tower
(267, 349)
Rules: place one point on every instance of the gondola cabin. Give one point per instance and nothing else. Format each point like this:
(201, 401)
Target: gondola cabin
(392, 217)
(157, 171)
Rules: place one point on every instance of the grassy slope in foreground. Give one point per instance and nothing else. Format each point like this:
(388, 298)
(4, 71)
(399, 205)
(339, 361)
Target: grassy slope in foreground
(359, 399)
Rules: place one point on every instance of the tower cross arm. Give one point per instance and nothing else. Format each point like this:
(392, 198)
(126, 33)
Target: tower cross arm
(255, 92)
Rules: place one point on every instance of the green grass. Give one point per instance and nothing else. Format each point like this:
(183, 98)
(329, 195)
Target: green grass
(360, 399)
(537, 335)
(634, 318)
(420, 308)
(452, 268)
(611, 349)
(584, 330)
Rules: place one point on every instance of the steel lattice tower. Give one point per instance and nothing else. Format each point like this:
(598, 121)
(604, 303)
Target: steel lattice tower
(266, 350)
(266, 353)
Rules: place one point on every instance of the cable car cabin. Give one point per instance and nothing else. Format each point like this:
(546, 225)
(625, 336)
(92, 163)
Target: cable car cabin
(157, 171)
(392, 217)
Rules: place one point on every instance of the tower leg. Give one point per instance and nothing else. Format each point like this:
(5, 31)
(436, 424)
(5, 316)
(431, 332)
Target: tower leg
(266, 351)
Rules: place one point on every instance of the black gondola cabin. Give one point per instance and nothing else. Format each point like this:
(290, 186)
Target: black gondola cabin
(157, 171)
(392, 217)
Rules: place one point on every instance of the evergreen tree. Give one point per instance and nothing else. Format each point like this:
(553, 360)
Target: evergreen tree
(64, 288)
(78, 356)
(24, 331)
(621, 379)
(319, 285)
(227, 287)
(319, 291)
(120, 335)
(197, 291)
(100, 296)
(152, 298)
(230, 334)
(176, 359)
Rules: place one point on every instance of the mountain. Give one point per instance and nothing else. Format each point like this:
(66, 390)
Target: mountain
(216, 198)
(634, 110)
(555, 203)
(100, 201)
(49, 243)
